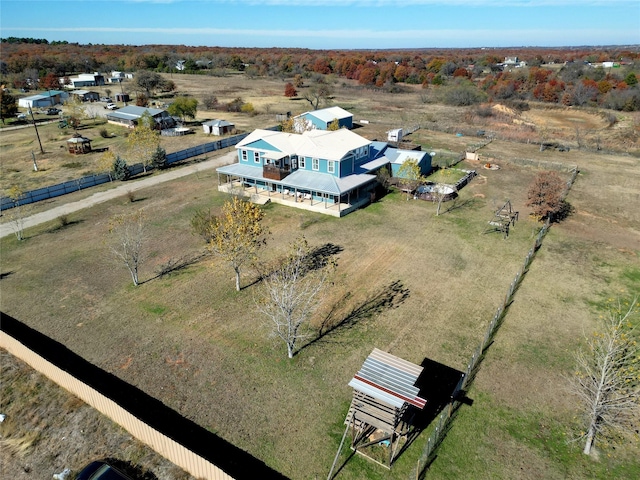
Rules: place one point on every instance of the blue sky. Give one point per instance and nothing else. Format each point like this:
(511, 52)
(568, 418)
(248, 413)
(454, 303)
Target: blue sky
(327, 24)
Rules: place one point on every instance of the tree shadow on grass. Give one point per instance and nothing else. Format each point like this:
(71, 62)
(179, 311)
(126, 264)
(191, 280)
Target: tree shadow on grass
(387, 298)
(4, 275)
(468, 203)
(63, 225)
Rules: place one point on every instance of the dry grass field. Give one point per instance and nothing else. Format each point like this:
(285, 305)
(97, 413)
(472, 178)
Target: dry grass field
(408, 282)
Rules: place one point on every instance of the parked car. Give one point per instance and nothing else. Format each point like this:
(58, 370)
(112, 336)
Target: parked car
(106, 99)
(100, 470)
(53, 111)
(21, 116)
(111, 106)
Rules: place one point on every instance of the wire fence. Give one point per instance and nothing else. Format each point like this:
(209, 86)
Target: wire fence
(89, 181)
(444, 420)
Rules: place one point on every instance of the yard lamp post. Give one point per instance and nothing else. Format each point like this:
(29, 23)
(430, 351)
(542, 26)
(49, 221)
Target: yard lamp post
(36, 128)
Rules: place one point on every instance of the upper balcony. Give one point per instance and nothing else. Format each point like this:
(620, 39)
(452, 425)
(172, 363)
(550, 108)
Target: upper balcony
(275, 173)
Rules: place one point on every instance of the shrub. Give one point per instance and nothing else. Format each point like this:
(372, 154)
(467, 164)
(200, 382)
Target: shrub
(463, 96)
(210, 102)
(120, 169)
(104, 133)
(63, 220)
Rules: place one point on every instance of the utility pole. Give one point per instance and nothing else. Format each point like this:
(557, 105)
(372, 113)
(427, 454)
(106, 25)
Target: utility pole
(36, 128)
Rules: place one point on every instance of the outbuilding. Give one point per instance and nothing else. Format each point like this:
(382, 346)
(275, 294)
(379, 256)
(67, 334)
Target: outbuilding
(129, 116)
(46, 99)
(85, 95)
(323, 118)
(218, 127)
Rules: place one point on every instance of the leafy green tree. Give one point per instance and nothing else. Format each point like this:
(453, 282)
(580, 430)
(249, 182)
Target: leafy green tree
(235, 235)
(631, 79)
(120, 169)
(183, 107)
(106, 162)
(410, 176)
(148, 81)
(159, 158)
(8, 105)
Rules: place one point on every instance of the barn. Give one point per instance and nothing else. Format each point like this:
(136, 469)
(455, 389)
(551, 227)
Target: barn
(46, 99)
(129, 116)
(85, 95)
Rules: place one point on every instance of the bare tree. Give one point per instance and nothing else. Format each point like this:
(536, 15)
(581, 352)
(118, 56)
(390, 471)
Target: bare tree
(18, 213)
(127, 232)
(290, 293)
(317, 94)
(438, 194)
(607, 380)
(236, 235)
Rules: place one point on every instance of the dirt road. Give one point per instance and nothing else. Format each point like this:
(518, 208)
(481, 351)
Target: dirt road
(130, 186)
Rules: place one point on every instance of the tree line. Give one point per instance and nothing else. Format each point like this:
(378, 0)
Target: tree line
(582, 80)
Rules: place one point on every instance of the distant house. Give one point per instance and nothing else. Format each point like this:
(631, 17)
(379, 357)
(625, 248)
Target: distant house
(85, 95)
(218, 127)
(46, 99)
(335, 171)
(321, 119)
(511, 61)
(129, 117)
(84, 80)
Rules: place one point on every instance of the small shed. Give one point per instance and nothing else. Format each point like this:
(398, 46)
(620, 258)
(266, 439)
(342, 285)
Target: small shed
(85, 95)
(385, 397)
(78, 144)
(394, 135)
(218, 127)
(122, 97)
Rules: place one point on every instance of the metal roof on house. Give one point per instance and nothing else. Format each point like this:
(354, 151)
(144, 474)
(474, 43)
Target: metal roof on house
(81, 92)
(134, 113)
(329, 145)
(329, 114)
(302, 179)
(390, 379)
(398, 156)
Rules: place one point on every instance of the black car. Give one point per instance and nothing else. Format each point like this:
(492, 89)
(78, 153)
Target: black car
(100, 470)
(53, 111)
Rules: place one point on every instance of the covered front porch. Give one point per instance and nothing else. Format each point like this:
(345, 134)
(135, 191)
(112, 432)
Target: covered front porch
(264, 190)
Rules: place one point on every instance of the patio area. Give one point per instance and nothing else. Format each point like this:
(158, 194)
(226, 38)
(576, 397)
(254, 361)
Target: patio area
(300, 200)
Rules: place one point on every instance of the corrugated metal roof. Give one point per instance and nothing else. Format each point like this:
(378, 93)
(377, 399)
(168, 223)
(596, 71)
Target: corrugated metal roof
(329, 114)
(390, 379)
(302, 179)
(218, 123)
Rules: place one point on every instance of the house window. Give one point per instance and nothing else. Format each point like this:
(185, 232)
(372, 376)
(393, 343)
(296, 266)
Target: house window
(315, 164)
(256, 157)
(301, 162)
(366, 151)
(331, 166)
(244, 155)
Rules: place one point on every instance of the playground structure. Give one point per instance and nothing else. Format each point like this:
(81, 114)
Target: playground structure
(504, 218)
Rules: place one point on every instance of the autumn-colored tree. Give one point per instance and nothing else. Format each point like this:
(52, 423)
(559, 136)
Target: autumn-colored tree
(106, 162)
(51, 82)
(143, 141)
(235, 235)
(142, 100)
(290, 90)
(546, 196)
(298, 81)
(333, 125)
